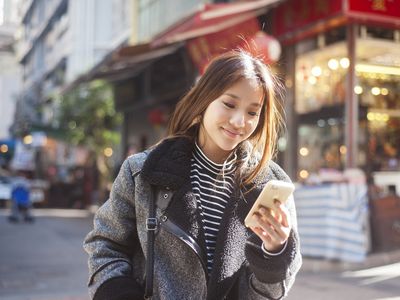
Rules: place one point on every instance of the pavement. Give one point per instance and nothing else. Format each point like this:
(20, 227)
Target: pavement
(45, 261)
(372, 260)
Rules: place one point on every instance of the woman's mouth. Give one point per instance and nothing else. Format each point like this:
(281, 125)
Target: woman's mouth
(231, 133)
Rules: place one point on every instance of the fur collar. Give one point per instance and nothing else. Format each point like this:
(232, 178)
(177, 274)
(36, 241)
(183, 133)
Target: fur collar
(168, 164)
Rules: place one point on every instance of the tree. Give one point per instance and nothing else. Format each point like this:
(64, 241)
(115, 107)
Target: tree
(88, 118)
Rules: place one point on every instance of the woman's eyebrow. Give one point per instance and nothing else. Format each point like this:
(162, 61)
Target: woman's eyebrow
(232, 95)
(255, 104)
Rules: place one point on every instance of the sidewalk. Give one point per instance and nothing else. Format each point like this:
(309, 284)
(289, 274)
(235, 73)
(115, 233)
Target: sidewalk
(44, 260)
(372, 260)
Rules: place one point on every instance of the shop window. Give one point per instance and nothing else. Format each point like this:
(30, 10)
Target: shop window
(321, 77)
(321, 146)
(321, 140)
(378, 89)
(320, 93)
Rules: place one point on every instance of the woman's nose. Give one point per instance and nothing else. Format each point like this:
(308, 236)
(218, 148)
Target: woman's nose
(237, 120)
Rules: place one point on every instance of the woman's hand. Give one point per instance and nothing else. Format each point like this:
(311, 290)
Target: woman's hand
(274, 226)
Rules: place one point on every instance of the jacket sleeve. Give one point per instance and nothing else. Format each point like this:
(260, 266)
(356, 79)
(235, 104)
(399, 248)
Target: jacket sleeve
(112, 243)
(271, 277)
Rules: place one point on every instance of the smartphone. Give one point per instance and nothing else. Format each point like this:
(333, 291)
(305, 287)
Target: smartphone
(273, 190)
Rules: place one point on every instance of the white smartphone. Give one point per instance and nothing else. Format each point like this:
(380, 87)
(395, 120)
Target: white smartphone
(273, 190)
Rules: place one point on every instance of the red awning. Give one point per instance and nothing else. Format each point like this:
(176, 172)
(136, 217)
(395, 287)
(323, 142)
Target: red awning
(211, 18)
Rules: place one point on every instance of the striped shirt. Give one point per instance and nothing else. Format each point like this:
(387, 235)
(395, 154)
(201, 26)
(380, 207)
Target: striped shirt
(212, 185)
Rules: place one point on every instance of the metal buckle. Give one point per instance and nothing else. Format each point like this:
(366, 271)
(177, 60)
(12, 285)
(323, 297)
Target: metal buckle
(151, 224)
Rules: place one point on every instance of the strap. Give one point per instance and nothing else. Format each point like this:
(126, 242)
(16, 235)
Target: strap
(151, 226)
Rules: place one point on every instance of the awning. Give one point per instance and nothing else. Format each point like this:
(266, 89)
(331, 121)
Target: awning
(127, 61)
(123, 62)
(211, 18)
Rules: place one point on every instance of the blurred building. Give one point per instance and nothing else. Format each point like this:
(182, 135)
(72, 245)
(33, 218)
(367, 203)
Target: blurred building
(60, 40)
(10, 75)
(171, 42)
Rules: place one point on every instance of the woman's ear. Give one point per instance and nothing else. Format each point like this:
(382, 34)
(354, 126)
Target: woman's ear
(196, 120)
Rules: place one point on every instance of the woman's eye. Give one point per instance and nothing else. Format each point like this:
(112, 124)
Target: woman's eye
(253, 114)
(229, 105)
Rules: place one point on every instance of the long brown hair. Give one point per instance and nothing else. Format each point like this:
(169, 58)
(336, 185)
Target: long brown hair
(223, 72)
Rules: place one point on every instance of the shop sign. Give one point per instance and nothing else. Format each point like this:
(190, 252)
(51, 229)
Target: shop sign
(376, 8)
(296, 14)
(246, 35)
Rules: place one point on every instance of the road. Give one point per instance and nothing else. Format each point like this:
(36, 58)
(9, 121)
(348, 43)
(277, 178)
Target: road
(45, 261)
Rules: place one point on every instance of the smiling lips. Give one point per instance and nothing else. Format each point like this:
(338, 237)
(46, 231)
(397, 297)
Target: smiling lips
(231, 133)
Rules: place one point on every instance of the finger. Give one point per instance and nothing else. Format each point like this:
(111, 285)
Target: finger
(276, 230)
(282, 232)
(284, 212)
(268, 228)
(266, 210)
(268, 215)
(276, 226)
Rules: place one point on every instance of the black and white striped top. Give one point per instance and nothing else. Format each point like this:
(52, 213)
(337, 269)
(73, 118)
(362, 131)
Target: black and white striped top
(212, 184)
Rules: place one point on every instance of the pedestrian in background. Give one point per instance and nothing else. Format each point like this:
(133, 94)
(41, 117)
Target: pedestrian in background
(205, 175)
(21, 204)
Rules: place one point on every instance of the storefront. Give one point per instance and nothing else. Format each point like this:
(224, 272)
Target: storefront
(342, 66)
(345, 87)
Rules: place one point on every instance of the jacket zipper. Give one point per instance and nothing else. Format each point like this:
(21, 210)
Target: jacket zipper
(187, 239)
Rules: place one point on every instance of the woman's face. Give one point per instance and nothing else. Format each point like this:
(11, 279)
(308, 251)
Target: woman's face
(230, 119)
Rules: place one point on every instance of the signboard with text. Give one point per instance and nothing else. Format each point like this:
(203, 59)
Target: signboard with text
(294, 16)
(375, 8)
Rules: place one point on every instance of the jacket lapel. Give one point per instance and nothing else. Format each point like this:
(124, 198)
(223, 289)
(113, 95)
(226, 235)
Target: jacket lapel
(184, 213)
(168, 166)
(229, 255)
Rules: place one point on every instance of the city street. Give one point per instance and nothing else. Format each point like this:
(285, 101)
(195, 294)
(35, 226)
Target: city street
(45, 261)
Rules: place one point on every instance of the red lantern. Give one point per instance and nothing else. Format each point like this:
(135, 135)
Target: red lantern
(156, 117)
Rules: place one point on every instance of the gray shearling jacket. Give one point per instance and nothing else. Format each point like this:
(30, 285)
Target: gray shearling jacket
(117, 244)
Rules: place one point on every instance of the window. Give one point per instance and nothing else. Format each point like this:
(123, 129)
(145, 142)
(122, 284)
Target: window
(378, 89)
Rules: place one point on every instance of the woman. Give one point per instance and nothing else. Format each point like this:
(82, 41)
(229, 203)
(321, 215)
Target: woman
(209, 171)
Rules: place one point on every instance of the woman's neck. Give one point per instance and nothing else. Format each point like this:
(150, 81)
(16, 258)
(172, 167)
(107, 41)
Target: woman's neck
(215, 156)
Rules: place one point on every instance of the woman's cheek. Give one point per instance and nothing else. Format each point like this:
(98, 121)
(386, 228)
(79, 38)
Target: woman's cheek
(252, 124)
